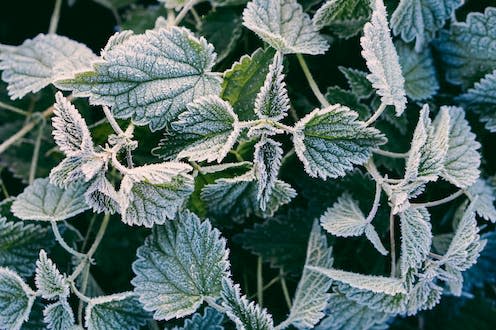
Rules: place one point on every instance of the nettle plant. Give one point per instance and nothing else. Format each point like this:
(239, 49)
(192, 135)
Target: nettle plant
(225, 140)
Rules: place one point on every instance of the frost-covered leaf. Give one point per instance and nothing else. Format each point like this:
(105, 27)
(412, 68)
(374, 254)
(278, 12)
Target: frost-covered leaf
(243, 81)
(47, 202)
(461, 166)
(179, 265)
(101, 196)
(482, 195)
(20, 244)
(344, 17)
(359, 84)
(285, 26)
(330, 141)
(272, 101)
(49, 281)
(377, 284)
(382, 60)
(344, 218)
(117, 311)
(146, 202)
(59, 316)
(420, 19)
(467, 48)
(16, 300)
(267, 161)
(210, 320)
(38, 62)
(211, 127)
(311, 295)
(419, 72)
(245, 314)
(416, 238)
(150, 77)
(83, 166)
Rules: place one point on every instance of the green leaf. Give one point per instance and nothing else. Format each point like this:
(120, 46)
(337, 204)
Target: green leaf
(50, 282)
(267, 162)
(59, 316)
(210, 320)
(122, 81)
(343, 17)
(359, 84)
(45, 202)
(330, 141)
(311, 295)
(336, 95)
(180, 265)
(16, 300)
(420, 19)
(117, 311)
(246, 315)
(284, 26)
(466, 49)
(244, 80)
(483, 196)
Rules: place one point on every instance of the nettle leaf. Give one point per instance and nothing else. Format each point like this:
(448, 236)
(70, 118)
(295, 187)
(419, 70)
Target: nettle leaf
(461, 166)
(135, 77)
(311, 295)
(16, 300)
(20, 244)
(359, 84)
(238, 197)
(38, 62)
(212, 129)
(59, 316)
(152, 194)
(466, 49)
(211, 320)
(46, 202)
(482, 196)
(267, 162)
(245, 314)
(330, 141)
(179, 265)
(337, 95)
(244, 80)
(101, 196)
(420, 19)
(345, 219)
(377, 284)
(344, 17)
(272, 101)
(117, 311)
(382, 60)
(50, 282)
(419, 72)
(284, 26)
(416, 238)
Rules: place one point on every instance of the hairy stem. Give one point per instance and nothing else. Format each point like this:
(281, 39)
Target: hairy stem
(311, 82)
(13, 109)
(211, 302)
(259, 281)
(266, 286)
(393, 244)
(36, 153)
(376, 115)
(78, 294)
(285, 290)
(112, 121)
(54, 21)
(375, 205)
(63, 244)
(390, 154)
(445, 200)
(84, 286)
(184, 11)
(287, 156)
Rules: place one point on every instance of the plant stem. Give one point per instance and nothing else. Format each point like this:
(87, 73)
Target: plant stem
(259, 282)
(54, 21)
(439, 201)
(376, 115)
(211, 302)
(393, 244)
(390, 154)
(112, 121)
(285, 290)
(63, 244)
(184, 11)
(266, 286)
(287, 156)
(84, 286)
(36, 153)
(311, 81)
(81, 296)
(13, 109)
(198, 21)
(372, 170)
(375, 206)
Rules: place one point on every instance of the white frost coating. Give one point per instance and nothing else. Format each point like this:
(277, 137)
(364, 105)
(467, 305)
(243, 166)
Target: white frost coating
(150, 77)
(101, 196)
(16, 300)
(330, 141)
(158, 173)
(117, 311)
(311, 295)
(272, 101)
(48, 279)
(59, 316)
(416, 238)
(266, 161)
(180, 264)
(382, 60)
(377, 284)
(39, 61)
(461, 166)
(482, 195)
(173, 4)
(244, 313)
(213, 127)
(285, 26)
(47, 202)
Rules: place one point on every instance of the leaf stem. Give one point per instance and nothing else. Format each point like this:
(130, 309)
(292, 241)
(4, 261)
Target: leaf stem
(376, 115)
(285, 290)
(266, 286)
(211, 302)
(447, 199)
(184, 11)
(75, 290)
(393, 244)
(36, 153)
(311, 82)
(54, 21)
(13, 109)
(62, 242)
(390, 154)
(112, 121)
(259, 281)
(375, 205)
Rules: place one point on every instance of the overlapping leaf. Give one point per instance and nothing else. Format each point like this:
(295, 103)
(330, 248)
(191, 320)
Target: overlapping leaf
(344, 17)
(483, 196)
(211, 320)
(59, 316)
(359, 84)
(267, 161)
(49, 281)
